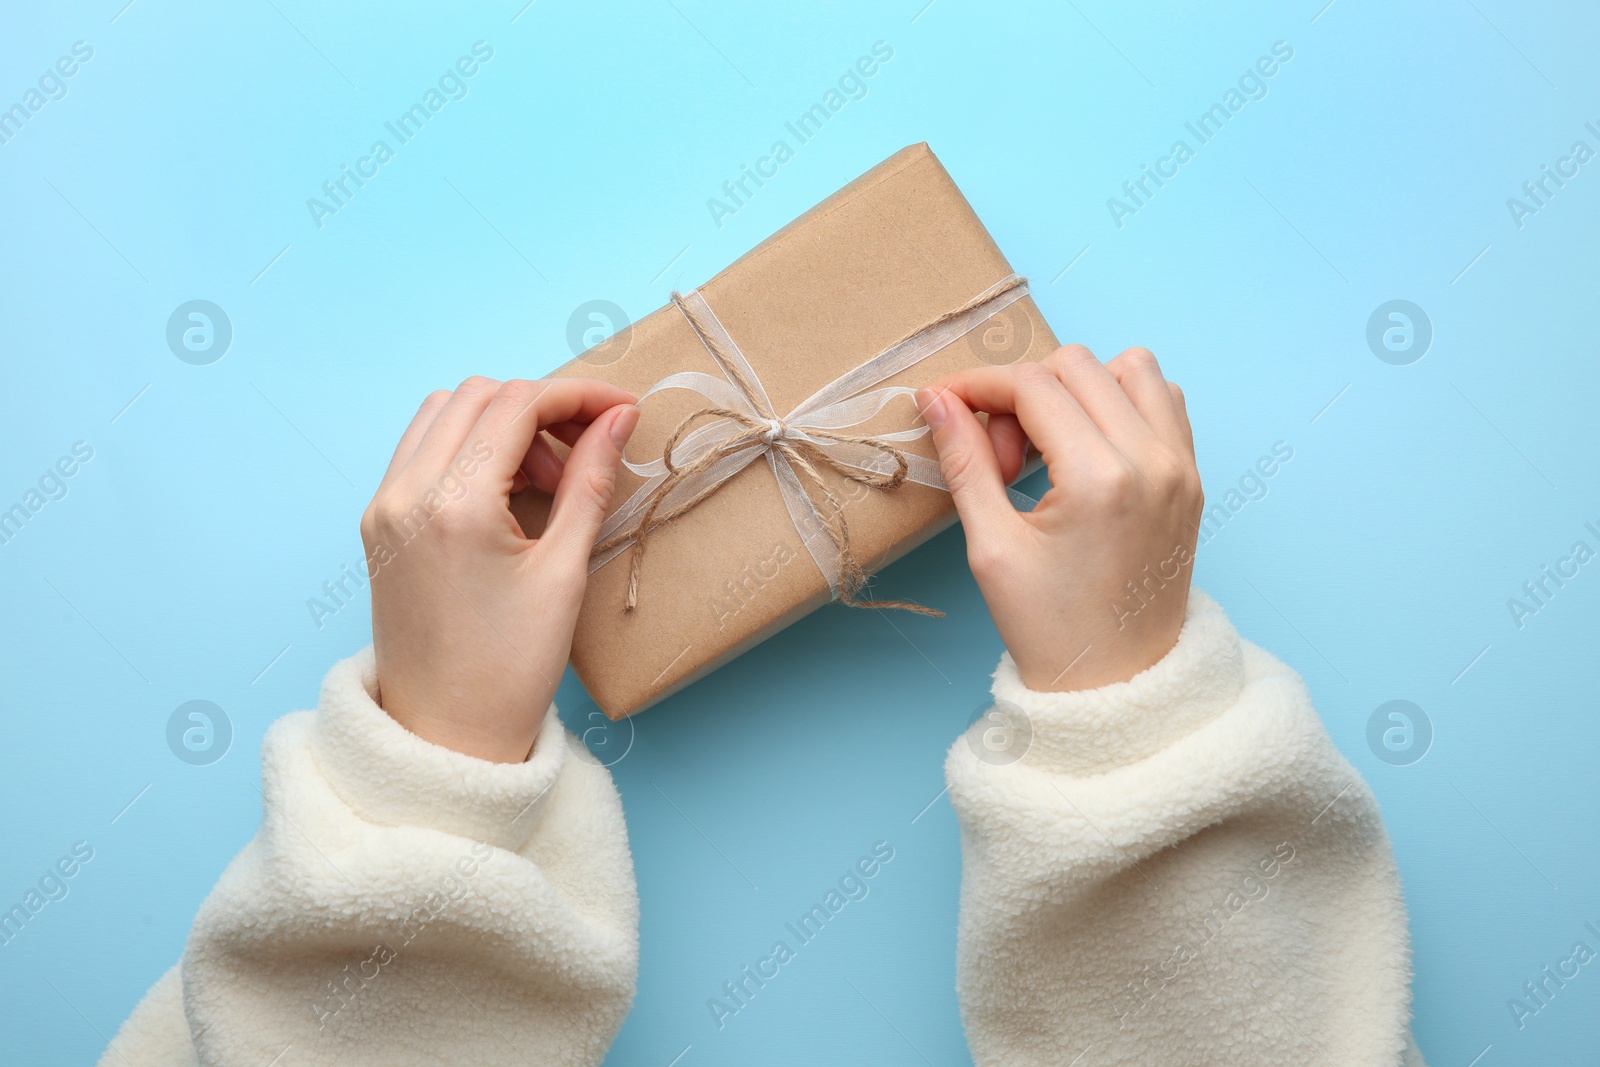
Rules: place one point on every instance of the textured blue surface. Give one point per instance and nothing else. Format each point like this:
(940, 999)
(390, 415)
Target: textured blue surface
(176, 165)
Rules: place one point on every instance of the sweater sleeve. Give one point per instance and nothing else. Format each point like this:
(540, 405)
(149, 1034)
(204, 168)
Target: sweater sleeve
(1180, 868)
(405, 904)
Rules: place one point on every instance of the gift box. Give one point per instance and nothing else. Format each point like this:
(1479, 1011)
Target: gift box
(794, 368)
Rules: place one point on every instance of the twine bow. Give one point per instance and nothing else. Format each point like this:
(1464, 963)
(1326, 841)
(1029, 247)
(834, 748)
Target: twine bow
(697, 461)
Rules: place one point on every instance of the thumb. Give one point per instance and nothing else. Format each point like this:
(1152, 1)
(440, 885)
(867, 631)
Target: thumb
(967, 462)
(587, 482)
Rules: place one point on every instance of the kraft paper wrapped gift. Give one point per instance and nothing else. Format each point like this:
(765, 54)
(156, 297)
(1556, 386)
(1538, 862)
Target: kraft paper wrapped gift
(895, 250)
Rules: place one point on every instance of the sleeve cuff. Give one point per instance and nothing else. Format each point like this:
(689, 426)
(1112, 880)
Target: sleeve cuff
(392, 777)
(1098, 730)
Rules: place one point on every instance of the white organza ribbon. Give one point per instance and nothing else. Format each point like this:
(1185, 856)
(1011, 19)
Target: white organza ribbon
(848, 401)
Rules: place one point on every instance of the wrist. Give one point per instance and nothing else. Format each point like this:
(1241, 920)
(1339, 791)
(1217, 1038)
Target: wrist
(390, 776)
(1093, 667)
(1087, 658)
(458, 733)
(1092, 730)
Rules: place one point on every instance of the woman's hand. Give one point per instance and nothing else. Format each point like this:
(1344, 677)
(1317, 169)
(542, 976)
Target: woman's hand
(1091, 586)
(471, 621)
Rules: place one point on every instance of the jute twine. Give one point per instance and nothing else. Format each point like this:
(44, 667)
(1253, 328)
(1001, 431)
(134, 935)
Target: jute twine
(805, 456)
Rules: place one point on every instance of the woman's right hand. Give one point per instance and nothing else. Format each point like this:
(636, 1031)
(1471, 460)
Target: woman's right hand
(472, 621)
(1092, 585)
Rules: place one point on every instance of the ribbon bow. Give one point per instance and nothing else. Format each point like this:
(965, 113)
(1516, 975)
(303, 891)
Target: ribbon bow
(697, 462)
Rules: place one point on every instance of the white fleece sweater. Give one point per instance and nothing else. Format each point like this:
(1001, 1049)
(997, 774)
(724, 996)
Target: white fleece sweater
(1180, 869)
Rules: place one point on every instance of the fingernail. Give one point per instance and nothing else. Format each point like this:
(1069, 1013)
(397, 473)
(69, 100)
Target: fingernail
(622, 425)
(931, 404)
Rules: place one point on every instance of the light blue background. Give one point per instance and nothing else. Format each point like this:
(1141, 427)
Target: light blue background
(578, 167)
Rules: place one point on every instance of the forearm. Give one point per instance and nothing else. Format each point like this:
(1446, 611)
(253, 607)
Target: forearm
(403, 903)
(1181, 868)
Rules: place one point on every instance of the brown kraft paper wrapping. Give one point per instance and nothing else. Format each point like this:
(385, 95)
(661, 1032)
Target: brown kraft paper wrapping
(893, 250)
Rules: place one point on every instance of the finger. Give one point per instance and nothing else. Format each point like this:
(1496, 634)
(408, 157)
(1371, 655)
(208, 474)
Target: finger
(511, 421)
(586, 486)
(541, 467)
(1139, 375)
(968, 463)
(1180, 407)
(1010, 445)
(567, 432)
(1098, 392)
(1050, 417)
(455, 420)
(409, 440)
